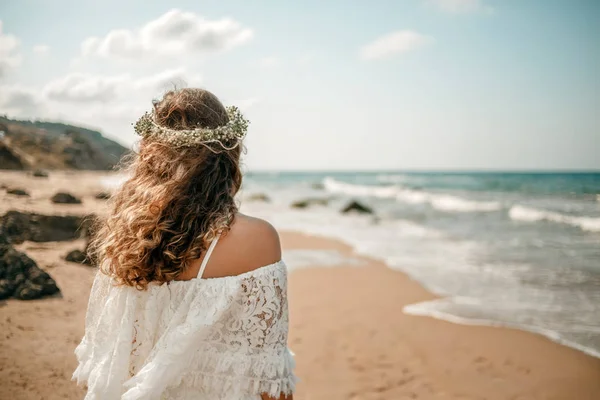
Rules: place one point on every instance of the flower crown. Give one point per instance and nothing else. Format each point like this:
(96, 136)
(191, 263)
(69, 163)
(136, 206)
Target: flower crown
(235, 130)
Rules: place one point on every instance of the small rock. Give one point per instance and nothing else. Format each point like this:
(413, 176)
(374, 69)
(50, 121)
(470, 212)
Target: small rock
(19, 226)
(102, 196)
(21, 278)
(309, 202)
(40, 173)
(3, 236)
(300, 204)
(6, 289)
(259, 197)
(17, 192)
(318, 186)
(29, 291)
(65, 198)
(77, 256)
(90, 255)
(356, 207)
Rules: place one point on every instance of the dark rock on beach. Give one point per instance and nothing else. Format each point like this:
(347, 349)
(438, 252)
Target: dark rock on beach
(318, 186)
(3, 237)
(355, 206)
(259, 197)
(78, 256)
(40, 173)
(20, 277)
(102, 196)
(18, 192)
(305, 203)
(19, 226)
(9, 159)
(65, 198)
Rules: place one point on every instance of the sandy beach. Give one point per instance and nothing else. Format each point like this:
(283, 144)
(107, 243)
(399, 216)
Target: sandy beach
(347, 329)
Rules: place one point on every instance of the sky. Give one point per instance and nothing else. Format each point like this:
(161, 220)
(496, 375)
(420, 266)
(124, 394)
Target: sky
(327, 85)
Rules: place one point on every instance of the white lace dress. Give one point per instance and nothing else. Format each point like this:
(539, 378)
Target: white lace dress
(217, 338)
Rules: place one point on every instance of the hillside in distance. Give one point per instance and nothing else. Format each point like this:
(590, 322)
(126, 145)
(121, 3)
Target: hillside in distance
(27, 145)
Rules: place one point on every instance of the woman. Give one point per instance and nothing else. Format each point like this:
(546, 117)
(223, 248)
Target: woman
(190, 300)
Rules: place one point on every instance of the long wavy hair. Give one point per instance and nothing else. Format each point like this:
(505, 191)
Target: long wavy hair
(176, 200)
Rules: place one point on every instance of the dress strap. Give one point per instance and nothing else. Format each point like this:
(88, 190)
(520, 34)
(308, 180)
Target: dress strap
(207, 256)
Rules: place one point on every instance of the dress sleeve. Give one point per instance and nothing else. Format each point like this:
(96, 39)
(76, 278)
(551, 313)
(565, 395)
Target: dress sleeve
(263, 320)
(237, 349)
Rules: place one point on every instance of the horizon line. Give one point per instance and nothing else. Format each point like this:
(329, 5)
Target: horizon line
(425, 170)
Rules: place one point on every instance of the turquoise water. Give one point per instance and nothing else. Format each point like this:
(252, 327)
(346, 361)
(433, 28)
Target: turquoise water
(577, 183)
(514, 249)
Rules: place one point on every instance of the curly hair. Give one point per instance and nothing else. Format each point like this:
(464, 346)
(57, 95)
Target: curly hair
(175, 201)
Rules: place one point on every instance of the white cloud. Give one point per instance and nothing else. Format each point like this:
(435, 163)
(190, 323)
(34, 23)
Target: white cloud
(174, 33)
(111, 102)
(41, 49)
(20, 102)
(84, 88)
(167, 80)
(10, 57)
(393, 43)
(461, 6)
(89, 88)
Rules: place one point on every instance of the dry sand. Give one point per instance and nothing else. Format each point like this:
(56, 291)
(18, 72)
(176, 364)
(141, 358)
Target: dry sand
(351, 339)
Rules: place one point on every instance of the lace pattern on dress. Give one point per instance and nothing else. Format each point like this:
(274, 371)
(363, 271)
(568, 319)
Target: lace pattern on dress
(225, 338)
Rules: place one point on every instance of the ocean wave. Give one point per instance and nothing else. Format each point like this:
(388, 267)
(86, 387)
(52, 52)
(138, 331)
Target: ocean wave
(530, 214)
(442, 202)
(335, 186)
(386, 178)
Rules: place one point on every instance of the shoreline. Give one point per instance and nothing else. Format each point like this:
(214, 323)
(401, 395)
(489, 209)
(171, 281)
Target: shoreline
(414, 309)
(347, 250)
(546, 334)
(456, 361)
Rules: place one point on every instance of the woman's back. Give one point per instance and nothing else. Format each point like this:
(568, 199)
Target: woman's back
(190, 301)
(250, 244)
(217, 337)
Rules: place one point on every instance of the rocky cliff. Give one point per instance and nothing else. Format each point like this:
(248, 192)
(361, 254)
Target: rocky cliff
(50, 145)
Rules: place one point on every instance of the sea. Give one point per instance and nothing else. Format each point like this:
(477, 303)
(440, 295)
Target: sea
(520, 250)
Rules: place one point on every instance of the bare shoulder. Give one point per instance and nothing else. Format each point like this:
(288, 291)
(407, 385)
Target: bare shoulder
(251, 243)
(257, 236)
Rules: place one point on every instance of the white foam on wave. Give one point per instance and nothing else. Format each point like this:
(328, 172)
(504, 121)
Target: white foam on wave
(441, 202)
(530, 214)
(335, 186)
(444, 202)
(435, 309)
